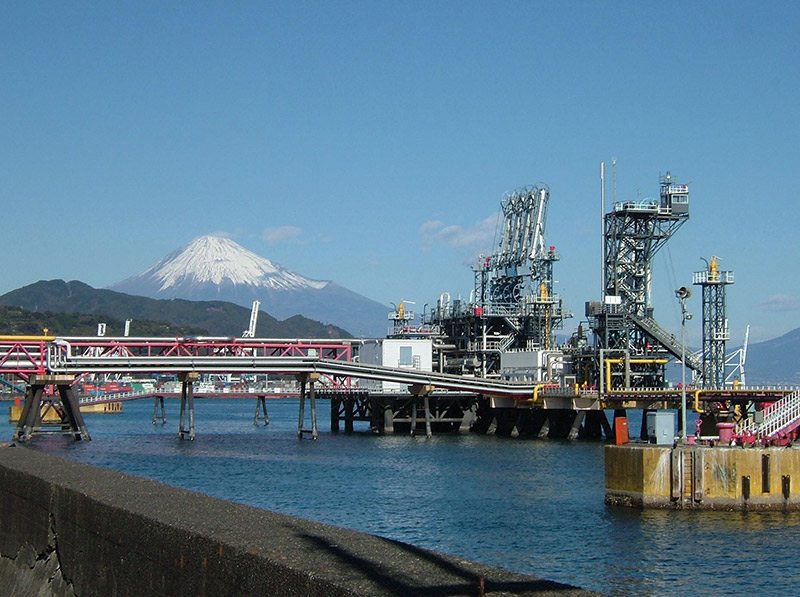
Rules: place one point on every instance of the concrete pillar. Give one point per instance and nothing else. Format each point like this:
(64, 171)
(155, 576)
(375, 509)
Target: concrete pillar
(349, 405)
(544, 431)
(425, 391)
(335, 403)
(576, 424)
(388, 418)
(467, 419)
(30, 413)
(307, 381)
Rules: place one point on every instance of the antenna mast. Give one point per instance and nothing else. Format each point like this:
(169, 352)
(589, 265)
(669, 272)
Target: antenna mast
(602, 228)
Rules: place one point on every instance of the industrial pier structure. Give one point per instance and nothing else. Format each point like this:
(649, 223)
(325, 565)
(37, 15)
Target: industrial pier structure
(506, 330)
(488, 363)
(513, 312)
(493, 363)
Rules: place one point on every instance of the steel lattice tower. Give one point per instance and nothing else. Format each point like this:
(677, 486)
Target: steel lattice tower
(715, 323)
(634, 231)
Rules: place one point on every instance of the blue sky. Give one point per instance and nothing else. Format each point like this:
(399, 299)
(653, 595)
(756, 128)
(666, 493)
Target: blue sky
(371, 142)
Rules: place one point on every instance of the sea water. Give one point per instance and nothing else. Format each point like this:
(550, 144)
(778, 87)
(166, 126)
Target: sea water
(532, 506)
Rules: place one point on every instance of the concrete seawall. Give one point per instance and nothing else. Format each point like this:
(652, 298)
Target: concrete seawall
(703, 477)
(68, 528)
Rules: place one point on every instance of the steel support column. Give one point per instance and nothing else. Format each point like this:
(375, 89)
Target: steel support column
(158, 404)
(261, 411)
(71, 420)
(187, 403)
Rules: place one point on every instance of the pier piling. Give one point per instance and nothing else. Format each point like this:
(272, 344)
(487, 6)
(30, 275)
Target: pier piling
(261, 411)
(158, 401)
(187, 404)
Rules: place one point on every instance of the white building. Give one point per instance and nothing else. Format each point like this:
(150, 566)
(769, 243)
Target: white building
(400, 353)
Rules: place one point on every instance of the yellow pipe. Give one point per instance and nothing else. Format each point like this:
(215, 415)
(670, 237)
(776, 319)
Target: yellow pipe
(697, 408)
(636, 392)
(538, 387)
(659, 361)
(609, 362)
(27, 338)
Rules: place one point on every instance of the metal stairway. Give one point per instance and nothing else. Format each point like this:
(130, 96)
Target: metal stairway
(667, 340)
(780, 418)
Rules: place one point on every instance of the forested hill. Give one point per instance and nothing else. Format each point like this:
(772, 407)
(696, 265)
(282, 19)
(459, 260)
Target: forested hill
(57, 298)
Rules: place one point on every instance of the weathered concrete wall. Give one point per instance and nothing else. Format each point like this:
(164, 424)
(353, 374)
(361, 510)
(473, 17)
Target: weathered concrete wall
(638, 475)
(773, 475)
(729, 478)
(68, 528)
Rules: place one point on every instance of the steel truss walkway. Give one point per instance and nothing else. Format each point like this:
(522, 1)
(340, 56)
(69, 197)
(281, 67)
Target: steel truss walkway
(334, 359)
(53, 362)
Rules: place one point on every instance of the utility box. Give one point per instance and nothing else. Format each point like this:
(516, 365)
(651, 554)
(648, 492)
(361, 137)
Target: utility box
(661, 427)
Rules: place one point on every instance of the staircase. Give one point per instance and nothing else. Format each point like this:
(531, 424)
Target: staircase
(667, 340)
(780, 418)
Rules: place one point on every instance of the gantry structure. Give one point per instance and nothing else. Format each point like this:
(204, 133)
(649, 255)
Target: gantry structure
(714, 282)
(513, 306)
(631, 348)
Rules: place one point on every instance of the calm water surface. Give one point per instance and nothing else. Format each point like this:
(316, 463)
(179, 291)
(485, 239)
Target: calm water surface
(530, 506)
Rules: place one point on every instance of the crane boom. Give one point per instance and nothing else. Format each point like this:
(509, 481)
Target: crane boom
(250, 332)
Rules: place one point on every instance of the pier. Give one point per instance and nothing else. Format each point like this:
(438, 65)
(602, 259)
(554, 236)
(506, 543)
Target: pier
(437, 400)
(703, 477)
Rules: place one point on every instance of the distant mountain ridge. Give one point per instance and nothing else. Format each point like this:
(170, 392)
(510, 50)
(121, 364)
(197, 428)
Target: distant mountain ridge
(219, 318)
(775, 361)
(217, 268)
(17, 321)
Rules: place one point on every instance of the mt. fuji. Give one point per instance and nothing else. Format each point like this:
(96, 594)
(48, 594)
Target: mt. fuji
(217, 268)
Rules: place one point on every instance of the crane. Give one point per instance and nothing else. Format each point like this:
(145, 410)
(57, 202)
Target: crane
(250, 332)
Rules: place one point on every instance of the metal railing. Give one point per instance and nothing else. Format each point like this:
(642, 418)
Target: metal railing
(668, 340)
(114, 396)
(706, 277)
(780, 416)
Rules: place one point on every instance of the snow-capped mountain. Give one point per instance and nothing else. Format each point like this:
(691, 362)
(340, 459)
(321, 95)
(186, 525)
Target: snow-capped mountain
(219, 261)
(217, 268)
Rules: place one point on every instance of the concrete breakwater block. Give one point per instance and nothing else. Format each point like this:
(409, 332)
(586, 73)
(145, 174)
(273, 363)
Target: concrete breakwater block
(703, 477)
(70, 528)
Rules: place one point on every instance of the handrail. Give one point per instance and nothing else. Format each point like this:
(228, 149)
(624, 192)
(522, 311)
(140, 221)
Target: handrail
(635, 361)
(778, 416)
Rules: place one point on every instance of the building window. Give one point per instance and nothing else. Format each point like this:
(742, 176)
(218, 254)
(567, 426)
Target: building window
(406, 356)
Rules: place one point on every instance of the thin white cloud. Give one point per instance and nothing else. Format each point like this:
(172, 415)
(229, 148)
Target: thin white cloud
(478, 238)
(430, 226)
(780, 302)
(281, 233)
